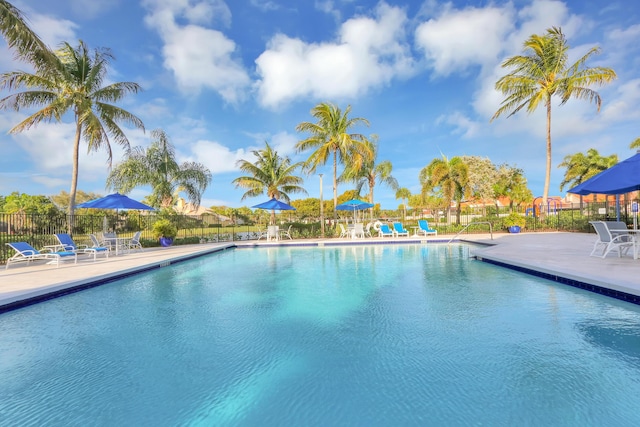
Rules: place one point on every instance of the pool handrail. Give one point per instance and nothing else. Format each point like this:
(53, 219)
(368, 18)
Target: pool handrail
(472, 223)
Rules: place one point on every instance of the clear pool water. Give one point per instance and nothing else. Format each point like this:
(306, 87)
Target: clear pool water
(347, 336)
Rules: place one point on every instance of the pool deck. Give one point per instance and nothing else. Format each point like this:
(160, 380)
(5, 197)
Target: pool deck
(558, 255)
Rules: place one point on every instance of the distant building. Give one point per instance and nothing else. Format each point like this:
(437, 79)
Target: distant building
(206, 214)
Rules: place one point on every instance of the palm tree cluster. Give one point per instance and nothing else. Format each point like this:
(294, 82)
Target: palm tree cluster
(71, 80)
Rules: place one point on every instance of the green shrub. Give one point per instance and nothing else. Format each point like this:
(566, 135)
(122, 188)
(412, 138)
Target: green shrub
(164, 228)
(514, 218)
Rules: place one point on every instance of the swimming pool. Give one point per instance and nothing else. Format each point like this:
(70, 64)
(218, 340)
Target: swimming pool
(355, 335)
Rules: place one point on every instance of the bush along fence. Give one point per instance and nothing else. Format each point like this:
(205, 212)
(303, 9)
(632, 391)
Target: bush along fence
(39, 230)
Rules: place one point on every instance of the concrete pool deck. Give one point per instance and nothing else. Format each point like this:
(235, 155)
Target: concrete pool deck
(558, 255)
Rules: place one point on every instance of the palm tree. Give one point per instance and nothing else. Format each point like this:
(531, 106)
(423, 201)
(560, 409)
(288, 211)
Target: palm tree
(20, 38)
(73, 84)
(450, 176)
(543, 72)
(157, 167)
(581, 167)
(404, 194)
(370, 172)
(270, 173)
(635, 143)
(330, 136)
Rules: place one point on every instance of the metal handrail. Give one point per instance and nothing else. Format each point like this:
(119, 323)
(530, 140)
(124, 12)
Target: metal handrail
(472, 223)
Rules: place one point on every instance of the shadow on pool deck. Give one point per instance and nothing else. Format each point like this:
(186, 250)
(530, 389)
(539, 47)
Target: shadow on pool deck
(563, 255)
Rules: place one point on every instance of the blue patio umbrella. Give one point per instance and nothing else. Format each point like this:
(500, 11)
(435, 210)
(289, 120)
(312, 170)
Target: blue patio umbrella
(353, 205)
(115, 201)
(621, 178)
(274, 205)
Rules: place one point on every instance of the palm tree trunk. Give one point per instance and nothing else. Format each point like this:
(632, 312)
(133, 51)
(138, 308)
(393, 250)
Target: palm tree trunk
(74, 177)
(547, 178)
(371, 197)
(335, 186)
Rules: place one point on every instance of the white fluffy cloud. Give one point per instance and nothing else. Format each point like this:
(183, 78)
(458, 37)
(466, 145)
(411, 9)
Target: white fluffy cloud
(50, 145)
(217, 157)
(455, 40)
(198, 57)
(369, 52)
(458, 39)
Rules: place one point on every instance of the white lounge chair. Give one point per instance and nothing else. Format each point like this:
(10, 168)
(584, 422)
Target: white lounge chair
(358, 231)
(262, 234)
(286, 233)
(610, 239)
(134, 244)
(343, 232)
(96, 243)
(69, 245)
(26, 252)
(367, 230)
(273, 232)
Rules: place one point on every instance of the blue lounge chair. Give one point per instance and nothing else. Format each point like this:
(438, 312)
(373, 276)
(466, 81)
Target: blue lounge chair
(399, 230)
(385, 231)
(423, 228)
(69, 245)
(26, 252)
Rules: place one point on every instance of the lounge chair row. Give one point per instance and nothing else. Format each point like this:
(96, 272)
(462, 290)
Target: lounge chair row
(384, 230)
(66, 249)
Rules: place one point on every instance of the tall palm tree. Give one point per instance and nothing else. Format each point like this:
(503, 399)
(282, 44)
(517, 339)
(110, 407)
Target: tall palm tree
(73, 84)
(370, 172)
(543, 72)
(330, 136)
(157, 167)
(404, 194)
(270, 173)
(450, 176)
(580, 167)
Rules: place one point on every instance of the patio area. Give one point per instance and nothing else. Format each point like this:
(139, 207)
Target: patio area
(559, 255)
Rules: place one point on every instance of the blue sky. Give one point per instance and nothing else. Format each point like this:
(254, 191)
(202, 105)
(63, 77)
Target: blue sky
(222, 77)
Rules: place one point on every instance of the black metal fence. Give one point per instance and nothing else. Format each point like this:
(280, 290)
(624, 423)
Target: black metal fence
(39, 230)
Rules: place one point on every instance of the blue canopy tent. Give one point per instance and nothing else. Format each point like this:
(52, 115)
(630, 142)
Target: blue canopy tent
(621, 178)
(354, 205)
